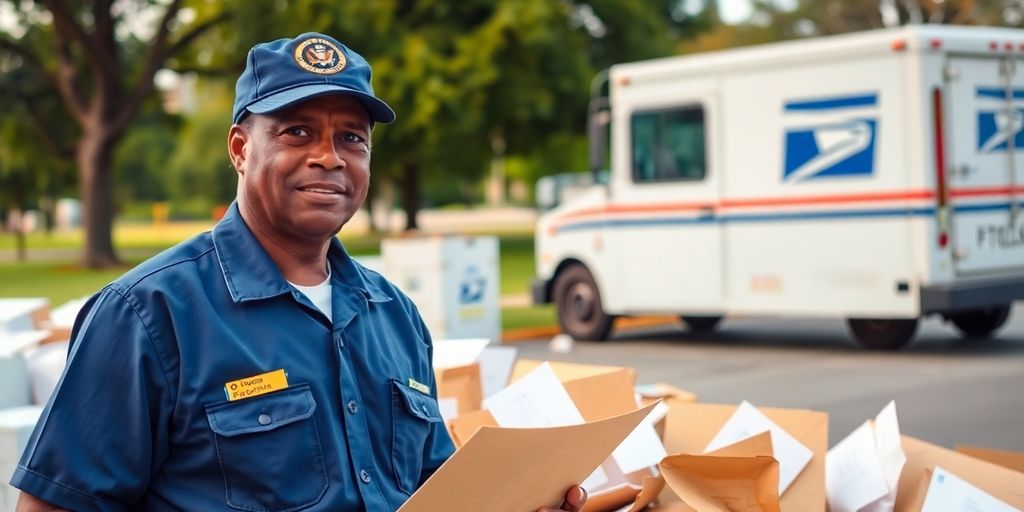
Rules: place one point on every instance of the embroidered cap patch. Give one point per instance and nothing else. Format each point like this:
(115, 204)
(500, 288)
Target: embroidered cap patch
(318, 55)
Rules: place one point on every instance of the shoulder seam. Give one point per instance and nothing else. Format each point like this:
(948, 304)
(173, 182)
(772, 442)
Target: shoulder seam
(129, 287)
(149, 334)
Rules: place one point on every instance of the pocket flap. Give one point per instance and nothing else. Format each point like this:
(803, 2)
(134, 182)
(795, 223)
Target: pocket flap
(261, 413)
(422, 406)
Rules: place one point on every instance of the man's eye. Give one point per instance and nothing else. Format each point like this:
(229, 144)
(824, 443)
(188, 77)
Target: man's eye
(297, 131)
(351, 137)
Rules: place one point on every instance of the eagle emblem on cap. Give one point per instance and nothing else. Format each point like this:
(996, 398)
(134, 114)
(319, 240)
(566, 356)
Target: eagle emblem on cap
(318, 55)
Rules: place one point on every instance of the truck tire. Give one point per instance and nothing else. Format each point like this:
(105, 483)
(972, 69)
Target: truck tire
(578, 303)
(701, 323)
(980, 323)
(883, 333)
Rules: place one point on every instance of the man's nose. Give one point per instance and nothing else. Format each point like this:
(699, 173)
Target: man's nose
(325, 154)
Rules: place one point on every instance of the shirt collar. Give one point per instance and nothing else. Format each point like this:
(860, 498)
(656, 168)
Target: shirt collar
(250, 274)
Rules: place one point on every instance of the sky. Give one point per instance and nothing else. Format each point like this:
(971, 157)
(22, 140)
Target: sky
(737, 11)
(734, 11)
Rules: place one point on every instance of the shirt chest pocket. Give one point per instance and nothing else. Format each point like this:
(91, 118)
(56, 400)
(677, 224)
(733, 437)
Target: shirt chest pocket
(414, 416)
(269, 451)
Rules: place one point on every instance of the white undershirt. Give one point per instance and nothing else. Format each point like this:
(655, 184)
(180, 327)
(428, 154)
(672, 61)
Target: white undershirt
(319, 295)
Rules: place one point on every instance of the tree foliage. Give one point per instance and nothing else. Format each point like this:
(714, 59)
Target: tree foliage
(99, 58)
(469, 79)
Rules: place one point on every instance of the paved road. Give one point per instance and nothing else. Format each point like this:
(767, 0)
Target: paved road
(947, 391)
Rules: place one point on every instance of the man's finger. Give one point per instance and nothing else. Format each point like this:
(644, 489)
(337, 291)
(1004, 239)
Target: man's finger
(574, 499)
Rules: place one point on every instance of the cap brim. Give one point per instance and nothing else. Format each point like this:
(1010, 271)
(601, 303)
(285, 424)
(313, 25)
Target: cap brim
(379, 111)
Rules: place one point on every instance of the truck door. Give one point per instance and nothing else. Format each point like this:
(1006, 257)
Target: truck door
(665, 231)
(986, 138)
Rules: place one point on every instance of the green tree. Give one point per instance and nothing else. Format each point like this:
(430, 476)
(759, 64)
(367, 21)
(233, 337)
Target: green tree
(100, 61)
(199, 174)
(140, 162)
(30, 173)
(35, 145)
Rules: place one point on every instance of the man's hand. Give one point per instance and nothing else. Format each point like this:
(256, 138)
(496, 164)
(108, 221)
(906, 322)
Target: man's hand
(575, 497)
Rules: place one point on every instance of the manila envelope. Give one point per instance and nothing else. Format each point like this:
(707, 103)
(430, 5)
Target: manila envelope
(724, 484)
(461, 383)
(712, 482)
(521, 469)
(1005, 484)
(1012, 460)
(689, 427)
(635, 497)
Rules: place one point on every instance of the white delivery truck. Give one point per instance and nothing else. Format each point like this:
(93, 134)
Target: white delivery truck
(875, 177)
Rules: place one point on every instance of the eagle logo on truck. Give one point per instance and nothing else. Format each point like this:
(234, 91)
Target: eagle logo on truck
(996, 122)
(830, 137)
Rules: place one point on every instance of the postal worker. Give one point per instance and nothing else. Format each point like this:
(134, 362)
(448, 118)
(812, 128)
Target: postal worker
(256, 367)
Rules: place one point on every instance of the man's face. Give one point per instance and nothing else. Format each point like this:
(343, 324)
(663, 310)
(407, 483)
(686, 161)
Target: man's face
(305, 170)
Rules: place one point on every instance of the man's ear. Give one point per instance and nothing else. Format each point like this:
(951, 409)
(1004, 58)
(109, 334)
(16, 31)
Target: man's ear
(237, 139)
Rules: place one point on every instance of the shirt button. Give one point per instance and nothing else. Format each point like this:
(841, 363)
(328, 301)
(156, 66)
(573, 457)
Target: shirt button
(364, 476)
(264, 419)
(353, 407)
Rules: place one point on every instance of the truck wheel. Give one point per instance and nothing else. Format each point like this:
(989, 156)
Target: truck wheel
(980, 323)
(883, 333)
(701, 323)
(578, 301)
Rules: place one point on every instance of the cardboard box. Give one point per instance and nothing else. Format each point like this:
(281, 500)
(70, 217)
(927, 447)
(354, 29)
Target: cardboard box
(1011, 460)
(461, 383)
(689, 427)
(1000, 482)
(599, 392)
(58, 334)
(16, 425)
(668, 393)
(24, 314)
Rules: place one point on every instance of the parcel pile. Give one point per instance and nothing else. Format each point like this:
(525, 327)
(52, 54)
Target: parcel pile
(527, 430)
(33, 351)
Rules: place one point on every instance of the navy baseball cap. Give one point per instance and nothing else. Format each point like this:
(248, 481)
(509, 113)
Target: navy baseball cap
(285, 72)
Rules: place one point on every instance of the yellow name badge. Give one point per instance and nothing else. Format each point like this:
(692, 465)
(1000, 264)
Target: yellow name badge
(422, 388)
(256, 385)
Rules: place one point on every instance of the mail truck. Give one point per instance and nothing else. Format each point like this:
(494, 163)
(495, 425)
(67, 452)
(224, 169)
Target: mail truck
(875, 177)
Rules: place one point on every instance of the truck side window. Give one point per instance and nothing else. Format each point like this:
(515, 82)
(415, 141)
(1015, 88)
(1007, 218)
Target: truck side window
(668, 145)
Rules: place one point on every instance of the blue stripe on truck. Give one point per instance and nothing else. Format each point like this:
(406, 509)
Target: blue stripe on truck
(845, 101)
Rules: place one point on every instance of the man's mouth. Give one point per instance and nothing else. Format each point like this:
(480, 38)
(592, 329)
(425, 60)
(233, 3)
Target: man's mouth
(321, 189)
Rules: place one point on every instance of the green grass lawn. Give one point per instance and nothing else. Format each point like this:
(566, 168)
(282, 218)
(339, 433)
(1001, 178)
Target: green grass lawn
(62, 279)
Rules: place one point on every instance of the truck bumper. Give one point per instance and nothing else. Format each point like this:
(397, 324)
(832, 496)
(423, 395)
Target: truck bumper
(970, 295)
(539, 291)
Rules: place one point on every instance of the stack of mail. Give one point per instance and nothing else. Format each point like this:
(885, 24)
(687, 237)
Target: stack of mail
(540, 427)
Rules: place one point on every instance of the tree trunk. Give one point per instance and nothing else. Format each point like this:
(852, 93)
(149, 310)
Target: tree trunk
(22, 252)
(19, 235)
(93, 156)
(411, 194)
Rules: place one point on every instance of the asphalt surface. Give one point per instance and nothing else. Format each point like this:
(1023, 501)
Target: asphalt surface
(948, 391)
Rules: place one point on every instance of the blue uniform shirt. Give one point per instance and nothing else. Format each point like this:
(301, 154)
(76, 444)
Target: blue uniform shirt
(140, 419)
